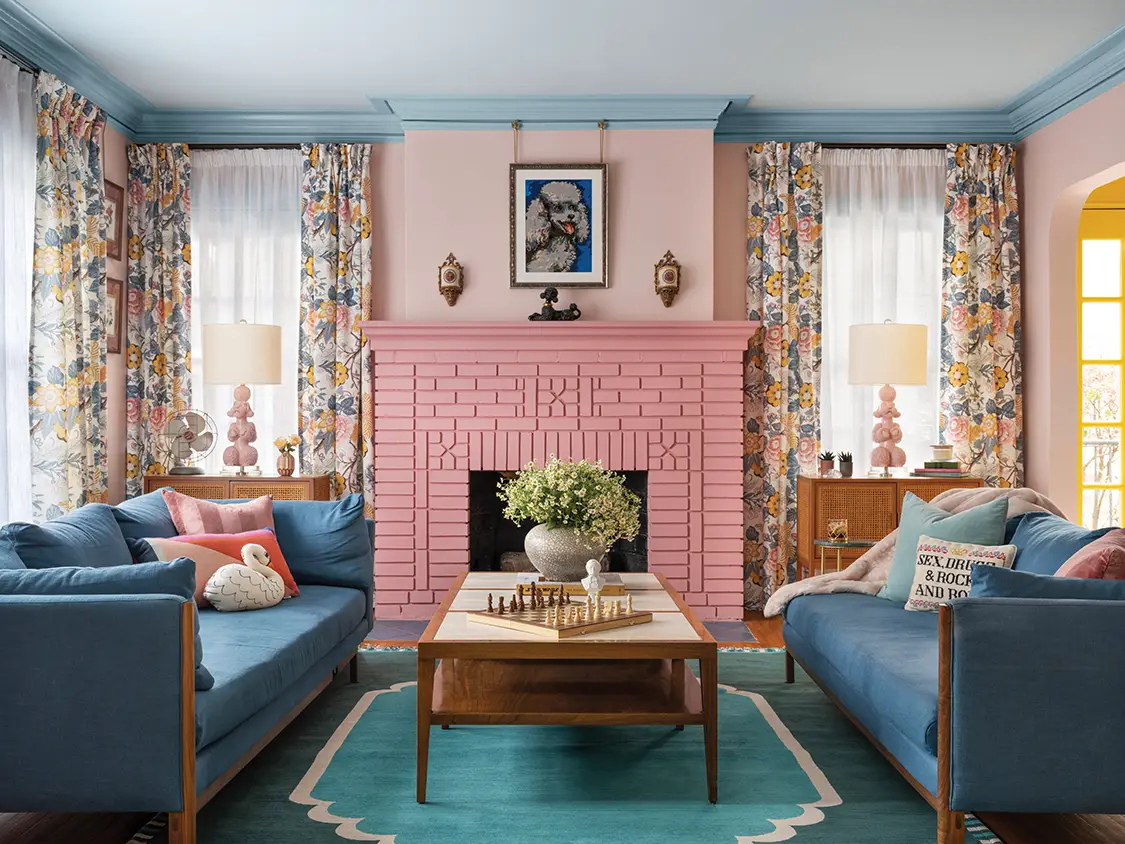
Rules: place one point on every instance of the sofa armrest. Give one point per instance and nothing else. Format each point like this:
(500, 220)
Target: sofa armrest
(91, 702)
(1034, 719)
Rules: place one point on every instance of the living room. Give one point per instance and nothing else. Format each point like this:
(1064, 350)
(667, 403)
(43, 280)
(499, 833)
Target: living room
(704, 418)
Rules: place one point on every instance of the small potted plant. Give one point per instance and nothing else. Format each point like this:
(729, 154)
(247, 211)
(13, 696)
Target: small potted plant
(845, 464)
(827, 461)
(286, 463)
(580, 509)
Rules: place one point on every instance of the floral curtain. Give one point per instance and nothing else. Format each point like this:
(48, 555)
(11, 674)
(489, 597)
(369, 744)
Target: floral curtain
(158, 310)
(783, 266)
(334, 379)
(68, 305)
(981, 402)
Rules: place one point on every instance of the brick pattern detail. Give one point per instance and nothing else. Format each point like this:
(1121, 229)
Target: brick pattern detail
(442, 412)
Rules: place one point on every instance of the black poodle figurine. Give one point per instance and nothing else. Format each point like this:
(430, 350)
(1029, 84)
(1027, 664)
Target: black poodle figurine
(548, 313)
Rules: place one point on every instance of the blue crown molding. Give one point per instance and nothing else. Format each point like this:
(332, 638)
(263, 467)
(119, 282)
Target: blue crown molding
(1094, 72)
(219, 126)
(858, 126)
(37, 44)
(672, 111)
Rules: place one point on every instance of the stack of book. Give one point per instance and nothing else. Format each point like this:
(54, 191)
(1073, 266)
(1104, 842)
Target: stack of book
(939, 469)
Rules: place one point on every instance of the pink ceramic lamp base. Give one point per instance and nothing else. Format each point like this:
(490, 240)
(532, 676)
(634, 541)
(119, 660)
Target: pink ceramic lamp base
(241, 458)
(887, 434)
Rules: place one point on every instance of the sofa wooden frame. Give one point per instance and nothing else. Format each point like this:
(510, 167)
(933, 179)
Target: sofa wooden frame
(181, 824)
(950, 824)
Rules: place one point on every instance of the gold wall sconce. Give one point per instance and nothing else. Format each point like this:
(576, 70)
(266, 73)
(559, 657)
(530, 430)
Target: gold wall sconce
(451, 280)
(666, 279)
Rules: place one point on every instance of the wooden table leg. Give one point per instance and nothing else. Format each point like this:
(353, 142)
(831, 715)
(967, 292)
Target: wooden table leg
(709, 680)
(425, 704)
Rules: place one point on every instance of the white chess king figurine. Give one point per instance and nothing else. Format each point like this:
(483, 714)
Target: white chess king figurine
(593, 582)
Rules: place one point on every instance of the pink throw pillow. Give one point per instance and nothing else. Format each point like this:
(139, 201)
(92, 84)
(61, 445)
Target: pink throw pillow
(1102, 559)
(194, 515)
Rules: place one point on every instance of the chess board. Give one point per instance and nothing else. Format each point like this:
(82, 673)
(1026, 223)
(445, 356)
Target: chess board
(575, 589)
(541, 621)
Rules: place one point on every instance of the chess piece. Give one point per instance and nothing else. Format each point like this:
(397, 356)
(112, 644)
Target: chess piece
(501, 610)
(490, 609)
(615, 609)
(629, 604)
(593, 582)
(551, 598)
(521, 602)
(513, 604)
(568, 597)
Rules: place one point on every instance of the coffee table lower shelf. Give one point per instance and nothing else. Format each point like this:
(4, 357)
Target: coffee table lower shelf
(597, 692)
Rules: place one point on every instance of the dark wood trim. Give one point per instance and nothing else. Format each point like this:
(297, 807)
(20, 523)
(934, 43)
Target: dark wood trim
(353, 668)
(951, 825)
(789, 672)
(181, 825)
(260, 745)
(921, 789)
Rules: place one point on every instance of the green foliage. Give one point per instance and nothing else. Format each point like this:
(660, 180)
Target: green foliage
(583, 496)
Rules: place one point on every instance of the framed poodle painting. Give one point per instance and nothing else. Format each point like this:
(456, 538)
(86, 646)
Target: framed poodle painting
(558, 225)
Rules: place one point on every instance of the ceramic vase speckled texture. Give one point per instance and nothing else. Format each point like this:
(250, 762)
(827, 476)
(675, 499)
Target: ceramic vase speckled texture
(560, 553)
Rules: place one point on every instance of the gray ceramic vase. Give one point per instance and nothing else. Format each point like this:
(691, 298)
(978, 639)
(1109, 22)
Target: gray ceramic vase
(560, 553)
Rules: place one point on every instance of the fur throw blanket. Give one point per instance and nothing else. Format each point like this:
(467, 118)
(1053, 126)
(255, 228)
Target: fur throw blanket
(868, 574)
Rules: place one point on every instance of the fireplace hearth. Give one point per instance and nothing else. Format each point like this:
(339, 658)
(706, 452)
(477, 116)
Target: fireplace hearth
(491, 535)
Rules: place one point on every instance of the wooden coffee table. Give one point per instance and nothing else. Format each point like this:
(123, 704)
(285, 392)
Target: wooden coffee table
(472, 673)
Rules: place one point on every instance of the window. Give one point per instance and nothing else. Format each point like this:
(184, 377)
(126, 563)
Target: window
(1100, 365)
(246, 251)
(884, 213)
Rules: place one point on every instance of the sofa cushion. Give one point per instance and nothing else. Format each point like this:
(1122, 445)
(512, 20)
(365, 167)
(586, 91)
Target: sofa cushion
(254, 656)
(173, 578)
(944, 569)
(89, 537)
(1021, 584)
(194, 516)
(886, 653)
(980, 525)
(1046, 541)
(1102, 559)
(325, 542)
(144, 516)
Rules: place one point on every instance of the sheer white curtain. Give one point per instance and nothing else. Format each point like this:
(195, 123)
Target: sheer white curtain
(17, 244)
(883, 218)
(246, 264)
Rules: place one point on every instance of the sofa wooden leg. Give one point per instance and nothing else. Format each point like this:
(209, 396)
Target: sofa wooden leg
(789, 667)
(950, 827)
(353, 669)
(181, 827)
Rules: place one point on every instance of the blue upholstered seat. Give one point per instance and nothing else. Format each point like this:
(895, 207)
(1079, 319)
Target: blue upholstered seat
(254, 656)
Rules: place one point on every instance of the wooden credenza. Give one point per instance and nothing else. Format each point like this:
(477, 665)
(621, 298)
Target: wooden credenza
(872, 507)
(296, 488)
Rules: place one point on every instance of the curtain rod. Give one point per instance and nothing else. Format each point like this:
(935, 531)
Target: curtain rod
(21, 63)
(882, 146)
(244, 146)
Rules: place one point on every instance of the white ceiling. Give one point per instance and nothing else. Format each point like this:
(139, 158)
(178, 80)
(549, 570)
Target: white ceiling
(329, 54)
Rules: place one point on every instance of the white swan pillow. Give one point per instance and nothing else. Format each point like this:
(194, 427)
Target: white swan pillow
(943, 570)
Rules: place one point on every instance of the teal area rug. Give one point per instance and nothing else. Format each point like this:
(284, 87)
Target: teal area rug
(791, 767)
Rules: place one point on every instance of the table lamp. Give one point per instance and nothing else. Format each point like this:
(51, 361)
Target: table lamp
(241, 353)
(883, 354)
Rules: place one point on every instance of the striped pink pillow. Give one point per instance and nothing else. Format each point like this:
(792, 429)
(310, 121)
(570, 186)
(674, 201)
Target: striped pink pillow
(194, 515)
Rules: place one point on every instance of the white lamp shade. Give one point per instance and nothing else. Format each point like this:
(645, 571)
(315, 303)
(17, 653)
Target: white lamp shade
(887, 353)
(241, 353)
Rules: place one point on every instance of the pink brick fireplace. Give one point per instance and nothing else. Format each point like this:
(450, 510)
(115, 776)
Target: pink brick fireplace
(664, 397)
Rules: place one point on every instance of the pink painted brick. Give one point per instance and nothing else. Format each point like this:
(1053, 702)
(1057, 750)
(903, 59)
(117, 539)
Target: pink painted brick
(385, 449)
(599, 369)
(397, 570)
(714, 545)
(394, 370)
(730, 490)
(734, 355)
(682, 368)
(719, 408)
(383, 435)
(401, 501)
(537, 356)
(621, 356)
(605, 396)
(476, 424)
(725, 596)
(447, 503)
(435, 370)
(663, 382)
(388, 424)
(686, 396)
(667, 543)
(640, 423)
(383, 487)
(392, 555)
(449, 543)
(458, 383)
(517, 369)
(474, 370)
(422, 596)
(681, 423)
(396, 528)
(725, 368)
(393, 582)
(643, 369)
(711, 530)
(476, 397)
(443, 529)
(600, 423)
(727, 435)
(451, 516)
(620, 383)
(383, 383)
(496, 383)
(510, 397)
(494, 355)
(660, 411)
(720, 463)
(393, 514)
(558, 369)
(639, 396)
(395, 410)
(415, 356)
(496, 411)
(454, 410)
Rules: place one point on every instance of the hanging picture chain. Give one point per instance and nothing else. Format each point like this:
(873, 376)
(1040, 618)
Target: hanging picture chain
(515, 142)
(601, 141)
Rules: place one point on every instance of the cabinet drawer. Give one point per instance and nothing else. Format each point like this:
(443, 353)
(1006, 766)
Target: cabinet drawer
(199, 489)
(284, 491)
(870, 508)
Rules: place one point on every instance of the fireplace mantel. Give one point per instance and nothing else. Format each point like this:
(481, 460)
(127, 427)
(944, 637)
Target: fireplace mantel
(661, 397)
(578, 335)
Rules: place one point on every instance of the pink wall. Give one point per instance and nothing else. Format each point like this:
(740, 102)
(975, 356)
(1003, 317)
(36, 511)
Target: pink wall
(388, 232)
(661, 186)
(1061, 164)
(116, 165)
(730, 231)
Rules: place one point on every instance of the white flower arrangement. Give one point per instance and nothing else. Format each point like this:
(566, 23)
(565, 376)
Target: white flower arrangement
(585, 497)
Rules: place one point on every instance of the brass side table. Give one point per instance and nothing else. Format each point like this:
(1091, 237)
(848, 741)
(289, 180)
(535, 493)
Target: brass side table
(822, 544)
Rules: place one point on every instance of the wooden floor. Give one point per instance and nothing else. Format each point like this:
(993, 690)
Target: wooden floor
(1012, 829)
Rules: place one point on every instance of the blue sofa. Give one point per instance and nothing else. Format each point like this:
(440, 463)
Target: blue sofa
(100, 709)
(990, 704)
